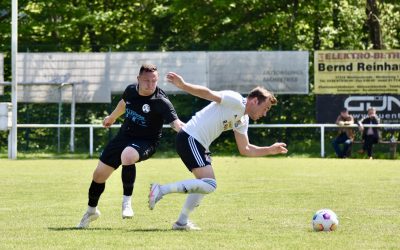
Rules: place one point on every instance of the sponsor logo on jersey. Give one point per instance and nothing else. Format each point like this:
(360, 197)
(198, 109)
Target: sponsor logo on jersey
(135, 117)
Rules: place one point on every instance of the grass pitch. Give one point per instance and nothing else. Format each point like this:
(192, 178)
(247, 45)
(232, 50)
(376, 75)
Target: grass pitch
(260, 203)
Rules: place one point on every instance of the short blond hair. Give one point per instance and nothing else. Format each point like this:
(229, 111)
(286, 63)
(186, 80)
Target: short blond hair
(262, 95)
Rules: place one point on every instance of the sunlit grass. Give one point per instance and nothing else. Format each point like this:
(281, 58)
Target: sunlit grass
(260, 203)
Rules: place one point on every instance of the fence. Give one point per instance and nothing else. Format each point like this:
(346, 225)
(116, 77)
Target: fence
(91, 127)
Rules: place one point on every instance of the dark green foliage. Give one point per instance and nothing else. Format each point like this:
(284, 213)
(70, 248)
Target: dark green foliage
(181, 25)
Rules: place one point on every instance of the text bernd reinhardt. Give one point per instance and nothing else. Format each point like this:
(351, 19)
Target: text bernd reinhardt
(360, 66)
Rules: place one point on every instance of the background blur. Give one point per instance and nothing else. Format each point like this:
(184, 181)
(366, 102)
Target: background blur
(179, 25)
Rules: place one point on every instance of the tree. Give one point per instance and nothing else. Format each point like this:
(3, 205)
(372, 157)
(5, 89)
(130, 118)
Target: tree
(373, 24)
(208, 25)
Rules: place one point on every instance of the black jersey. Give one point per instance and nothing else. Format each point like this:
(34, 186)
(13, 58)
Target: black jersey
(145, 115)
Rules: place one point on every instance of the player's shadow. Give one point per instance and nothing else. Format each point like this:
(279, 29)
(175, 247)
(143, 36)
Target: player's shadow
(149, 230)
(79, 229)
(107, 229)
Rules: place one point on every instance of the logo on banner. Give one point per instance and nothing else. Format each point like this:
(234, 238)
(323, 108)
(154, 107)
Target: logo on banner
(362, 103)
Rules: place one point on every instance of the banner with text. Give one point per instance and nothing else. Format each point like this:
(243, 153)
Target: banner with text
(387, 107)
(96, 76)
(282, 72)
(357, 72)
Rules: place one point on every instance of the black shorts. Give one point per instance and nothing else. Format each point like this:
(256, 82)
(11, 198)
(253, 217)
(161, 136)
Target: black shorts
(111, 154)
(192, 153)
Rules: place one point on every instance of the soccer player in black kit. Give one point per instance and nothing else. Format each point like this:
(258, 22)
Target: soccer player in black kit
(146, 108)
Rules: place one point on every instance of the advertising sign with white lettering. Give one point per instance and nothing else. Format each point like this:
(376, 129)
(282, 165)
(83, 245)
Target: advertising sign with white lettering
(357, 72)
(387, 107)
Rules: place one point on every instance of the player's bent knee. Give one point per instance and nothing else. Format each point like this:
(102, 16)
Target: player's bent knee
(212, 185)
(129, 156)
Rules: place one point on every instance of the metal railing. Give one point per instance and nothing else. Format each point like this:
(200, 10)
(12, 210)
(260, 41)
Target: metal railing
(322, 128)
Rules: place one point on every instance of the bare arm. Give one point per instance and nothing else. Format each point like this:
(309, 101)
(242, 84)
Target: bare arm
(351, 121)
(247, 149)
(341, 122)
(338, 120)
(360, 125)
(196, 90)
(118, 111)
(177, 125)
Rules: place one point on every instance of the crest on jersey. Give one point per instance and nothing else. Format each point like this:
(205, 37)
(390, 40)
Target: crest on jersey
(146, 108)
(240, 122)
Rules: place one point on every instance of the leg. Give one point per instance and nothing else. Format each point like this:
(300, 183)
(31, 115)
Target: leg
(100, 175)
(364, 147)
(347, 148)
(128, 175)
(197, 188)
(183, 222)
(369, 141)
(336, 145)
(198, 161)
(193, 200)
(204, 183)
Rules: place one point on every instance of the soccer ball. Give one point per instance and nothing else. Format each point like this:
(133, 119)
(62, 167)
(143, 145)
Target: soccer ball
(325, 220)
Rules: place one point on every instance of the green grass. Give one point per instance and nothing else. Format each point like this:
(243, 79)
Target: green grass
(260, 203)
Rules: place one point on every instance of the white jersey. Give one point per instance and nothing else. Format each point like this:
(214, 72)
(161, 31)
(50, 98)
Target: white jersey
(207, 124)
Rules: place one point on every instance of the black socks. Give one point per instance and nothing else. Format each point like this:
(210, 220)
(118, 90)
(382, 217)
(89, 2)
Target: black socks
(95, 190)
(128, 176)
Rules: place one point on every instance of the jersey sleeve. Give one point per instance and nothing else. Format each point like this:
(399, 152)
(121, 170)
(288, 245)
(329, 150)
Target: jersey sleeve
(168, 111)
(125, 94)
(244, 125)
(231, 99)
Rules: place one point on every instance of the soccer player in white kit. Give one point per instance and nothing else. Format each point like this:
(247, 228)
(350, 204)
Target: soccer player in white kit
(228, 110)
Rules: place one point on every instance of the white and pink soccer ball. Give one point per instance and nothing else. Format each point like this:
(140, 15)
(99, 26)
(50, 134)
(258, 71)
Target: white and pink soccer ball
(325, 220)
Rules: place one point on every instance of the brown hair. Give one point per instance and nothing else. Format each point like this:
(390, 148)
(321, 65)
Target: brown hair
(147, 68)
(262, 94)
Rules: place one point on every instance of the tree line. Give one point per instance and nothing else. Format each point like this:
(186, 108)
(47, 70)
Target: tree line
(197, 25)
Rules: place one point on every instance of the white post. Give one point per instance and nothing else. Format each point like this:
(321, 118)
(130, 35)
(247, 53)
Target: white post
(14, 53)
(9, 145)
(91, 141)
(322, 141)
(72, 135)
(59, 118)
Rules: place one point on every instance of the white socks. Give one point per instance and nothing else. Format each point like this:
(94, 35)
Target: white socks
(192, 201)
(126, 199)
(198, 186)
(91, 210)
(197, 189)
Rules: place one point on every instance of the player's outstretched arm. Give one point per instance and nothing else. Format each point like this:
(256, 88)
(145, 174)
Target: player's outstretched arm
(247, 149)
(196, 90)
(177, 125)
(118, 111)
